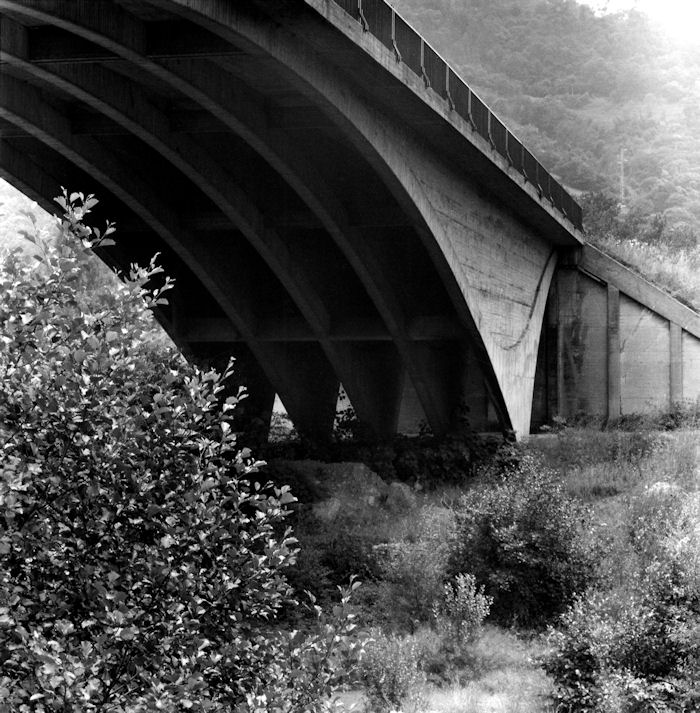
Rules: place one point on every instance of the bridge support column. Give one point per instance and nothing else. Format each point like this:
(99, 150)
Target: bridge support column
(254, 412)
(310, 392)
(585, 345)
(614, 386)
(377, 386)
(676, 370)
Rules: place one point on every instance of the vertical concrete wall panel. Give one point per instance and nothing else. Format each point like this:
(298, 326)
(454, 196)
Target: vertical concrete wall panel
(583, 344)
(691, 368)
(645, 358)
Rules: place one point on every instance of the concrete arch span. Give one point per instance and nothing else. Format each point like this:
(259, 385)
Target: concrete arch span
(449, 285)
(279, 363)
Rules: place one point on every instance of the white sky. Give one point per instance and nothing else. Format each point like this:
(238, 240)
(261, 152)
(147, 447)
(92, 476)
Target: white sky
(680, 18)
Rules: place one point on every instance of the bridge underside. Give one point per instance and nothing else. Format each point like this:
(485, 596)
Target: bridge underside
(295, 249)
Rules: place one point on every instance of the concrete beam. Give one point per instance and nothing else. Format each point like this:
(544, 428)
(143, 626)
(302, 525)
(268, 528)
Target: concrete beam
(609, 270)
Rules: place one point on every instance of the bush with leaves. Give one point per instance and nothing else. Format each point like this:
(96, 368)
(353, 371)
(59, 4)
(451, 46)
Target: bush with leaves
(636, 645)
(460, 613)
(622, 651)
(523, 539)
(390, 674)
(141, 565)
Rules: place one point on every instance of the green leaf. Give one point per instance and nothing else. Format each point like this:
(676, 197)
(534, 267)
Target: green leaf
(287, 498)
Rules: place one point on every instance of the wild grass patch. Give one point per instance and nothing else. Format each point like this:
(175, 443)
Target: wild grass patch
(676, 271)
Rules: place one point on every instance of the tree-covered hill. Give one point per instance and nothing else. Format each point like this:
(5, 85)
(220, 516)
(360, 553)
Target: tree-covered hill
(578, 88)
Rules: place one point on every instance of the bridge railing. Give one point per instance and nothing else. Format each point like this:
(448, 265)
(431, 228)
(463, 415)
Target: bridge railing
(384, 23)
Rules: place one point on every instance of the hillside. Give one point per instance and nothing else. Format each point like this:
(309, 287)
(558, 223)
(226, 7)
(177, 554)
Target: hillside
(578, 88)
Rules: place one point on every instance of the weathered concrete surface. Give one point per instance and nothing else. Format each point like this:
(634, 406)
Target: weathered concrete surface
(691, 369)
(582, 343)
(624, 346)
(645, 352)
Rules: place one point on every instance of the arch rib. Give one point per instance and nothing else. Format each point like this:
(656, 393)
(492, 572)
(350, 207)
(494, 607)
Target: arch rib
(108, 26)
(22, 106)
(363, 127)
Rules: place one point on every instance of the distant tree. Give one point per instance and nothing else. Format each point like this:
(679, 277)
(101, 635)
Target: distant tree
(600, 212)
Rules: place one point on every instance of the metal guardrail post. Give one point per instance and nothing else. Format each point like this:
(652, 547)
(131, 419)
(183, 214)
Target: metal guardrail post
(470, 114)
(563, 201)
(363, 19)
(448, 93)
(424, 74)
(508, 156)
(397, 51)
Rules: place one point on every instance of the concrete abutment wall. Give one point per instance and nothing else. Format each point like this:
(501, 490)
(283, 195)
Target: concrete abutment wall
(614, 345)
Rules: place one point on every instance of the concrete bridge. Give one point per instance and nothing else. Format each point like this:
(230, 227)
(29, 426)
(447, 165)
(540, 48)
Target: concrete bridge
(338, 207)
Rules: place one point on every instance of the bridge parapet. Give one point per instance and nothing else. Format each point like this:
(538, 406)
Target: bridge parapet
(396, 34)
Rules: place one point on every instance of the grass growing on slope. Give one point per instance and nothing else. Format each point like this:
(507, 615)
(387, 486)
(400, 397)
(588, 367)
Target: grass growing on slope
(676, 271)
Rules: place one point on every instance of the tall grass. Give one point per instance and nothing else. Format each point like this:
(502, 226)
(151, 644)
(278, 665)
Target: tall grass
(502, 677)
(595, 465)
(505, 678)
(673, 270)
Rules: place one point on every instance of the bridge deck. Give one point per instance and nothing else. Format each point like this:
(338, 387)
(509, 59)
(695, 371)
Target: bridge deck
(393, 43)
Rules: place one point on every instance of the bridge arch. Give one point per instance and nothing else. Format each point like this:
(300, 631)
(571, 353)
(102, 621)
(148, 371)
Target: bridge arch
(22, 106)
(507, 361)
(465, 340)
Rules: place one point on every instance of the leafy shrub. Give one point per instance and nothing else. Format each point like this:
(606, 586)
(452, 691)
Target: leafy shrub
(460, 614)
(412, 568)
(652, 517)
(140, 564)
(628, 651)
(330, 554)
(411, 578)
(390, 674)
(522, 538)
(346, 554)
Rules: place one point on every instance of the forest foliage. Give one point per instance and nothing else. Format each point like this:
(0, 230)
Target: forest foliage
(578, 88)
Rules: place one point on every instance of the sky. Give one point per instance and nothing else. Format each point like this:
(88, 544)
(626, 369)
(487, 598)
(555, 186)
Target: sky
(680, 18)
